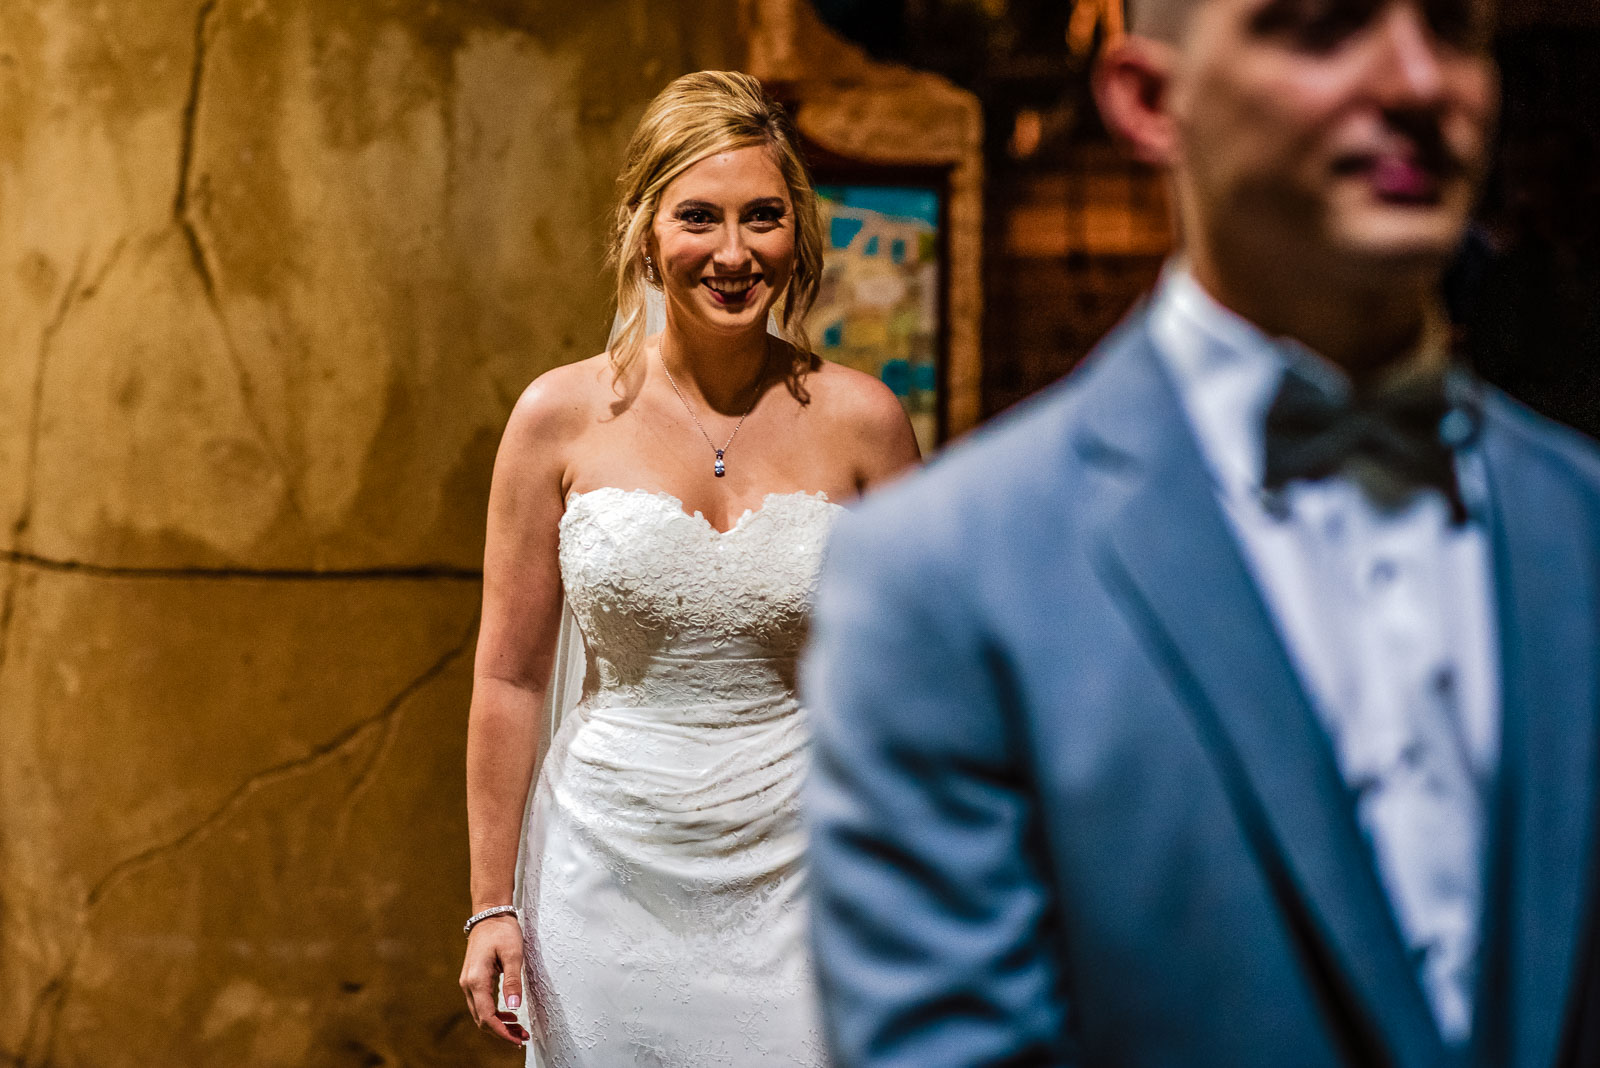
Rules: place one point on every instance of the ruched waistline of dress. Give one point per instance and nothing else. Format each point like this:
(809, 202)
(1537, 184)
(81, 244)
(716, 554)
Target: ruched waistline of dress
(690, 689)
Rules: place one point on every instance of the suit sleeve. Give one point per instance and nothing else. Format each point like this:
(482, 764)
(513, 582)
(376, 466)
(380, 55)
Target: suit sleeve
(931, 916)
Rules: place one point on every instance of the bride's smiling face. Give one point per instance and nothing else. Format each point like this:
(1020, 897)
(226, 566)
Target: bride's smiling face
(723, 240)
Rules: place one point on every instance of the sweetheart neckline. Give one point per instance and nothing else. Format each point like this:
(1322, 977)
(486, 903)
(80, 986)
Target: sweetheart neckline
(678, 506)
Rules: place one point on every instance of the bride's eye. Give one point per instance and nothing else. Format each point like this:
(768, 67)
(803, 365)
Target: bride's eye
(695, 217)
(766, 217)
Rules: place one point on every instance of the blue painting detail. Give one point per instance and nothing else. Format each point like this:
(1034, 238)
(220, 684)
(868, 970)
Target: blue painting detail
(896, 374)
(920, 204)
(844, 231)
(878, 310)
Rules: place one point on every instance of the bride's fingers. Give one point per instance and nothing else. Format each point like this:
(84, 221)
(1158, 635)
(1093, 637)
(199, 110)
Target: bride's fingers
(511, 983)
(488, 961)
(512, 1032)
(511, 994)
(496, 1023)
(513, 1028)
(480, 1001)
(467, 982)
(477, 982)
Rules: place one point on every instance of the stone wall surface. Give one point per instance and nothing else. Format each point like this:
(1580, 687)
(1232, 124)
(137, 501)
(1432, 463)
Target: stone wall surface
(272, 273)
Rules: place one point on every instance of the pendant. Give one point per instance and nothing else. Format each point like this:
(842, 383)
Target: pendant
(719, 469)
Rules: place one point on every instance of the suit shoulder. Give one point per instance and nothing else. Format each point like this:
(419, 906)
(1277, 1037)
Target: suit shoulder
(979, 484)
(1559, 445)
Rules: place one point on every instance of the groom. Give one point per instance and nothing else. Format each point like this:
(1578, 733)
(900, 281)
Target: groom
(1236, 703)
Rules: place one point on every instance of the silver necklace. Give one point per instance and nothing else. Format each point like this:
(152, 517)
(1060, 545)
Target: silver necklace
(719, 468)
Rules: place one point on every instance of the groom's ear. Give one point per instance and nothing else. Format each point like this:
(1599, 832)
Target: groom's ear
(1131, 85)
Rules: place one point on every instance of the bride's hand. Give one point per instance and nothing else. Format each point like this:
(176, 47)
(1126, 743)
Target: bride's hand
(494, 952)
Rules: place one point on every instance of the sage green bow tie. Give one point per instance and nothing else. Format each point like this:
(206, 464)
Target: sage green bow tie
(1393, 440)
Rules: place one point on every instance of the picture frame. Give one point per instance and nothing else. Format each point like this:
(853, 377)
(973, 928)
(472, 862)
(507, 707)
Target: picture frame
(883, 304)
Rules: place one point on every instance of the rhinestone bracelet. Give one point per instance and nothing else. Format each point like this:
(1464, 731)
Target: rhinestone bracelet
(498, 910)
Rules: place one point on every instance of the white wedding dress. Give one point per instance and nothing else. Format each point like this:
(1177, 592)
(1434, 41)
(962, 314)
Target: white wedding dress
(664, 868)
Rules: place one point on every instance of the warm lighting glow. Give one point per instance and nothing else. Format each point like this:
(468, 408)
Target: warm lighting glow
(1089, 15)
(1026, 133)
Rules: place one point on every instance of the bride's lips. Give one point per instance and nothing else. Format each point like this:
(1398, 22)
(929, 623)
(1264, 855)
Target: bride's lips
(731, 291)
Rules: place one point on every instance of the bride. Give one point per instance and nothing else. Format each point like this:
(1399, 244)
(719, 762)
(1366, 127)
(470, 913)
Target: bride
(676, 492)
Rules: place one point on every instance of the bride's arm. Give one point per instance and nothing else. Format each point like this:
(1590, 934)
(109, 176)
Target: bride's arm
(516, 643)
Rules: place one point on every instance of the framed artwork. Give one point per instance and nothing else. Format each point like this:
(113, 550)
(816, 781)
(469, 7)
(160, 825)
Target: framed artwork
(881, 305)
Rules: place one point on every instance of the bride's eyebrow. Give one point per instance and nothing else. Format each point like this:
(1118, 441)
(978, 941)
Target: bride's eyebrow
(693, 205)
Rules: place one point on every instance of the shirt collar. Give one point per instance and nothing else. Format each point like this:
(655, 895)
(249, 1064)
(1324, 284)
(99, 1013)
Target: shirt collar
(1227, 372)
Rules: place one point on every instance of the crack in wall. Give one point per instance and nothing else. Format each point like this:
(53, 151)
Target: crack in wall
(47, 339)
(8, 608)
(183, 216)
(289, 769)
(51, 996)
(186, 137)
(76, 292)
(364, 777)
(421, 573)
(47, 1005)
(44, 1017)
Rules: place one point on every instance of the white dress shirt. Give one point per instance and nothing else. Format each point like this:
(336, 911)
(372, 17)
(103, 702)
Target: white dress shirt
(1388, 616)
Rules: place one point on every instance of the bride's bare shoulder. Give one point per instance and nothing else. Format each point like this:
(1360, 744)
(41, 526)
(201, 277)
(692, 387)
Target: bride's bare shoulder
(562, 402)
(853, 398)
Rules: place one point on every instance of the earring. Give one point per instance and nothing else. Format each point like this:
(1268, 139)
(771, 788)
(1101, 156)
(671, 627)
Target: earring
(650, 270)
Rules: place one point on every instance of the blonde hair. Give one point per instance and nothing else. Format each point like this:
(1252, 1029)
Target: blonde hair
(697, 116)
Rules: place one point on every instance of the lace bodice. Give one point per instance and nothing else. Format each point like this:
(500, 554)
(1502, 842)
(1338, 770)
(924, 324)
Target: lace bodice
(660, 593)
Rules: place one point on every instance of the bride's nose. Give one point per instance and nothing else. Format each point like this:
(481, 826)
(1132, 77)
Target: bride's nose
(732, 254)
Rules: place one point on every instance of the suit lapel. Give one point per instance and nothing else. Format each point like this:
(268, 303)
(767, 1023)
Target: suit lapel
(1549, 599)
(1171, 553)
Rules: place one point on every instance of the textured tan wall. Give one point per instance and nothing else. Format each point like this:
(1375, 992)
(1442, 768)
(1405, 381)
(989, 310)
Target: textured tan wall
(271, 274)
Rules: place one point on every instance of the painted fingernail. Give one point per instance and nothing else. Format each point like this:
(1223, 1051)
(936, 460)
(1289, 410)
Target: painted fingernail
(514, 1001)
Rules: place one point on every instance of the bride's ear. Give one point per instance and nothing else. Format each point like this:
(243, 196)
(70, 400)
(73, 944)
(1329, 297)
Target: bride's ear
(1132, 83)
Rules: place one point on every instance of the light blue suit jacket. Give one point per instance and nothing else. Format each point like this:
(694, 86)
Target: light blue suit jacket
(1071, 805)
